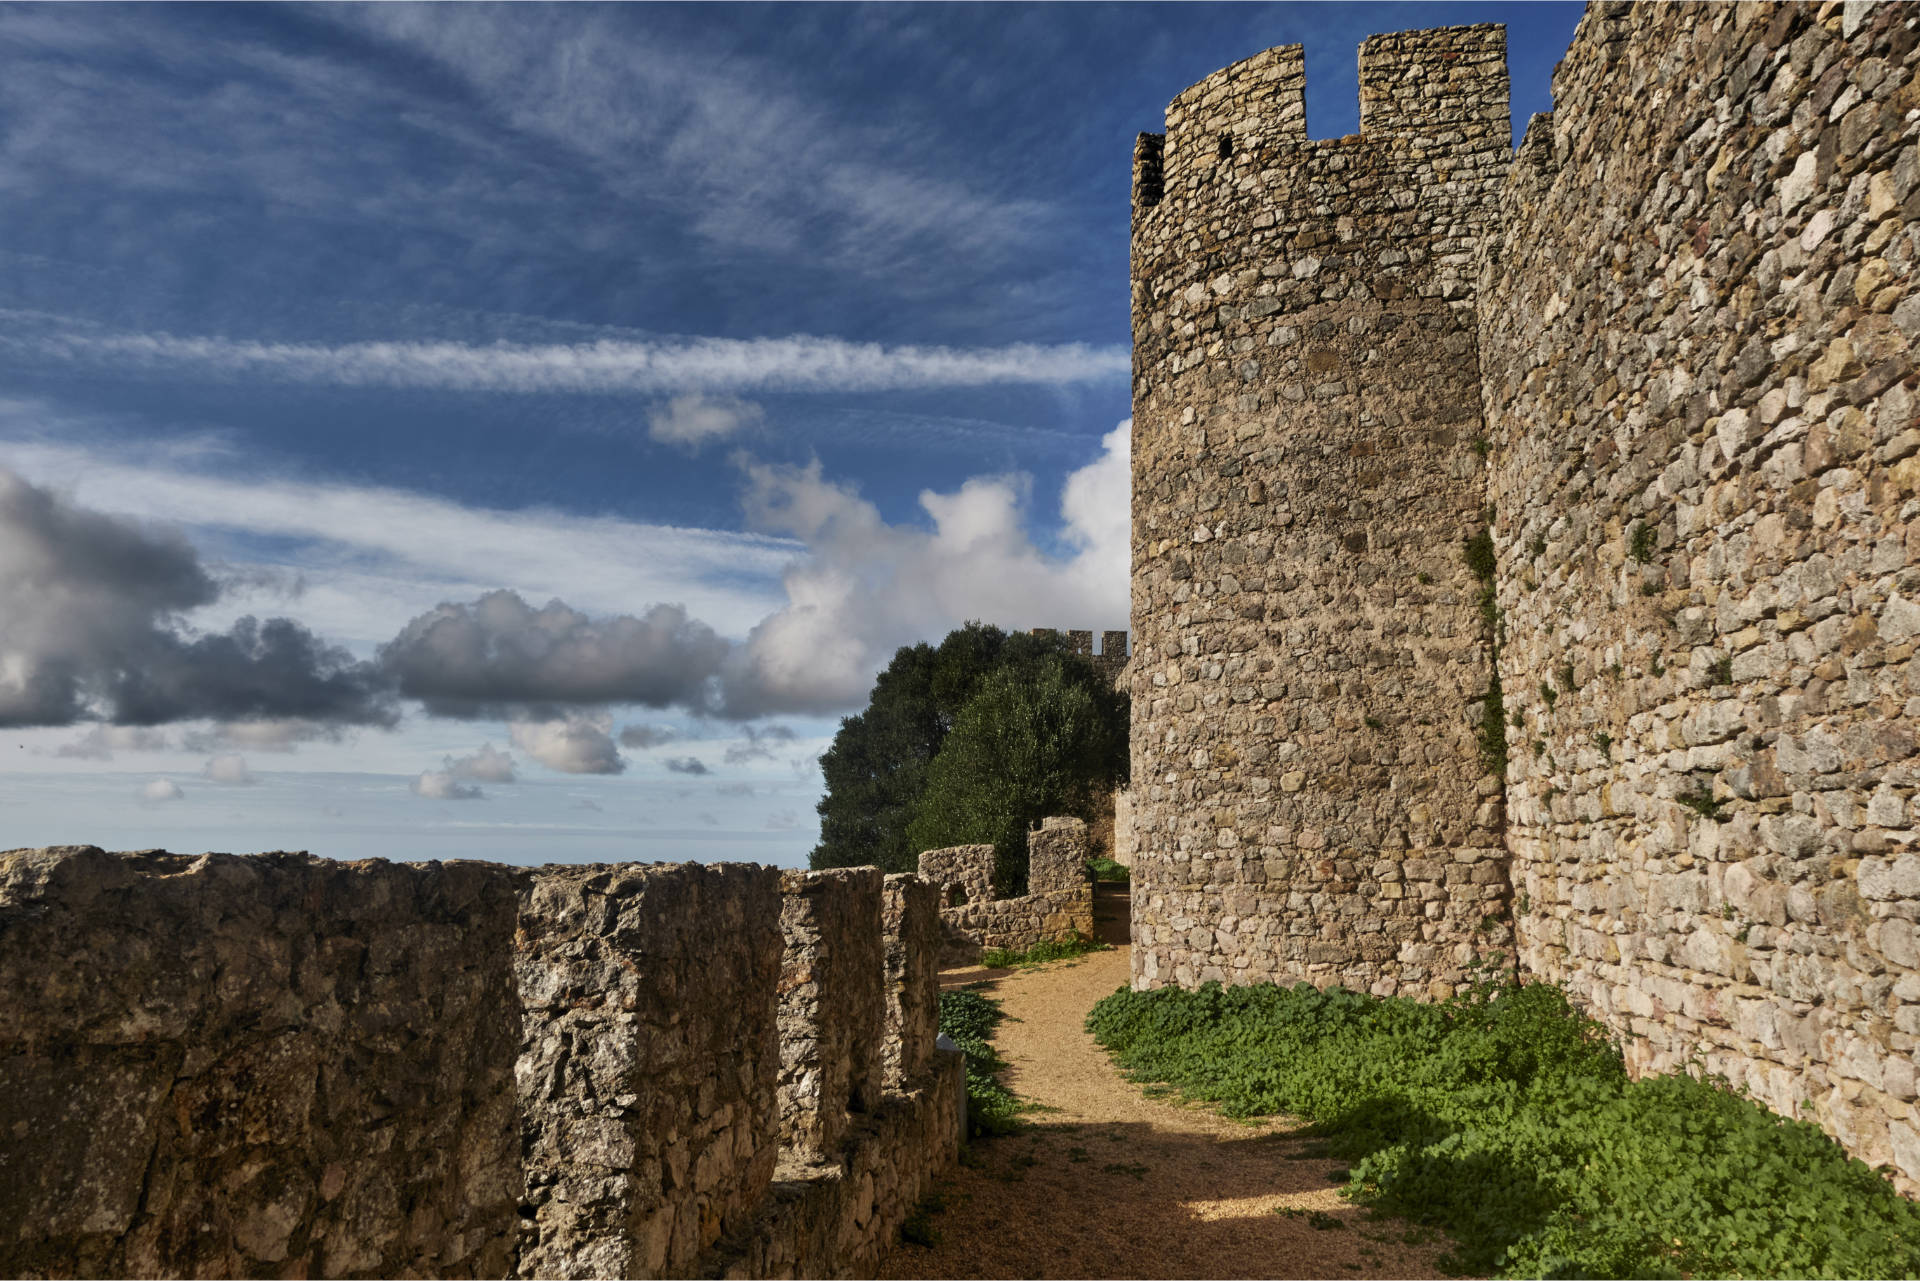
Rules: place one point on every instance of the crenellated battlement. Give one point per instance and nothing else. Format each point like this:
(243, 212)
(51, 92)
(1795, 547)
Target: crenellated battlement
(1524, 545)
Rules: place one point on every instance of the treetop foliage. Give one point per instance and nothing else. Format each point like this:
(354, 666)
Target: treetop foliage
(877, 770)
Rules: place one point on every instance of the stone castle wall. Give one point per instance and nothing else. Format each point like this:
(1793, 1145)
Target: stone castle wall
(281, 1065)
(1060, 906)
(256, 1066)
(1680, 332)
(1696, 329)
(1308, 654)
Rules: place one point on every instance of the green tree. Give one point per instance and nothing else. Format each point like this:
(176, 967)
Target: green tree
(1028, 744)
(876, 768)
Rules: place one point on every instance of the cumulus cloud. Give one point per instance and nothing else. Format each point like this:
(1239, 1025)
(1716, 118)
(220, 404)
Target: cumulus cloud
(674, 365)
(441, 785)
(759, 745)
(499, 656)
(865, 587)
(783, 821)
(488, 765)
(574, 745)
(687, 765)
(641, 737)
(230, 769)
(161, 790)
(693, 420)
(89, 629)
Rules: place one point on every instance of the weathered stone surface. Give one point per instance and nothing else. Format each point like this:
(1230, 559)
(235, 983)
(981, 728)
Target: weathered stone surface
(1700, 404)
(963, 873)
(262, 1066)
(1309, 658)
(279, 1065)
(648, 1063)
(831, 1010)
(837, 1219)
(1668, 351)
(1060, 906)
(910, 915)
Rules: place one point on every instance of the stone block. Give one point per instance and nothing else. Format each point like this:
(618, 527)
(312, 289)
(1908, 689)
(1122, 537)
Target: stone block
(832, 1009)
(649, 1061)
(254, 1066)
(910, 914)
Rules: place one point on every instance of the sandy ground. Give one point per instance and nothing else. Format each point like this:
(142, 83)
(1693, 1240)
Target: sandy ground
(1110, 1183)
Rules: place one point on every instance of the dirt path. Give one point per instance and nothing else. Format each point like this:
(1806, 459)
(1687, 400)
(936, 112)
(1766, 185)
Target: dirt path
(1111, 1183)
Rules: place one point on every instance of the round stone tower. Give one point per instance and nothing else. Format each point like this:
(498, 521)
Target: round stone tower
(1312, 797)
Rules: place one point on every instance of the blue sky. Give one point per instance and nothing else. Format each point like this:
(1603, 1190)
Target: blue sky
(598, 394)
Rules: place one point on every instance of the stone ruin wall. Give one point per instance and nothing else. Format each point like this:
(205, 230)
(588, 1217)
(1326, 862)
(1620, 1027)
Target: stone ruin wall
(1698, 319)
(1059, 906)
(279, 1065)
(1308, 655)
(1693, 317)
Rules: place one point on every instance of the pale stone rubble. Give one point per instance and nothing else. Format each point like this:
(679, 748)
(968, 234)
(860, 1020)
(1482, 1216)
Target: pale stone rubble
(1668, 352)
(276, 1064)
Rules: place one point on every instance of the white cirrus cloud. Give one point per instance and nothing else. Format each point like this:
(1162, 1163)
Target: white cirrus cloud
(803, 363)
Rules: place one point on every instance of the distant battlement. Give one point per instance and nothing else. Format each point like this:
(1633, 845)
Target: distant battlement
(1112, 658)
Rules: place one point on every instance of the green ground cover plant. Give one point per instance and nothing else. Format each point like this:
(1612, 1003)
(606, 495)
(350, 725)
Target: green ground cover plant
(1000, 958)
(1105, 869)
(970, 1018)
(1507, 1119)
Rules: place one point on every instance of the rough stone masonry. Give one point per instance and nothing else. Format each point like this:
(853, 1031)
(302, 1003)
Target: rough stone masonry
(288, 1066)
(1665, 354)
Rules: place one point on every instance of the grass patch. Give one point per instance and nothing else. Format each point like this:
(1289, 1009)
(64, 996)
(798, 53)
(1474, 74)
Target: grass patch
(1105, 869)
(1000, 958)
(970, 1018)
(1507, 1119)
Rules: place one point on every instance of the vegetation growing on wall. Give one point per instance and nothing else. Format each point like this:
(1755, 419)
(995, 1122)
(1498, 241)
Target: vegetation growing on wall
(1051, 733)
(1508, 1119)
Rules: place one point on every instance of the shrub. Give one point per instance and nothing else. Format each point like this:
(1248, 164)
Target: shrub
(1507, 1118)
(1105, 869)
(969, 1019)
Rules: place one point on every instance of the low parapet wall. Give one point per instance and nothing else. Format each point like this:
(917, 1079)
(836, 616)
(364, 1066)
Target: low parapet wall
(1059, 907)
(283, 1065)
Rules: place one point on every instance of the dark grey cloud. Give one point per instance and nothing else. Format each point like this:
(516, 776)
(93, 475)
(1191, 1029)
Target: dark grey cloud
(90, 629)
(498, 656)
(642, 737)
(759, 745)
(687, 765)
